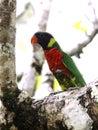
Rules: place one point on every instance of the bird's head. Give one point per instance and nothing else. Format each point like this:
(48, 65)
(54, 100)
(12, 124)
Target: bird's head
(45, 39)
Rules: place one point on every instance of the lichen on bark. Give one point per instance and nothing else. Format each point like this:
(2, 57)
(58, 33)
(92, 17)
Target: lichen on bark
(7, 44)
(7, 61)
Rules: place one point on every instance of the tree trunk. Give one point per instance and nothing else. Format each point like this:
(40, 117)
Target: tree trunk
(7, 44)
(7, 57)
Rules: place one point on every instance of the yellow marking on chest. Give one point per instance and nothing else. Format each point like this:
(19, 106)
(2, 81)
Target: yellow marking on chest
(52, 41)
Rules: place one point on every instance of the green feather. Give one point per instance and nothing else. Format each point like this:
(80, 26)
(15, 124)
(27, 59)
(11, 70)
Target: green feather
(76, 77)
(70, 64)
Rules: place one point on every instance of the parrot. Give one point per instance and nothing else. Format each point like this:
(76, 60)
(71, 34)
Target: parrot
(60, 63)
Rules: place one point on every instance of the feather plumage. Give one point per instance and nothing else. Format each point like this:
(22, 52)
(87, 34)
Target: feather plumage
(61, 64)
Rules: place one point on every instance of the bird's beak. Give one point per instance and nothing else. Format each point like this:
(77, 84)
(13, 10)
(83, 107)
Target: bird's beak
(34, 40)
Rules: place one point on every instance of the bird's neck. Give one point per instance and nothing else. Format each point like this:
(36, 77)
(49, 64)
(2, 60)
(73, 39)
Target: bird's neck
(53, 44)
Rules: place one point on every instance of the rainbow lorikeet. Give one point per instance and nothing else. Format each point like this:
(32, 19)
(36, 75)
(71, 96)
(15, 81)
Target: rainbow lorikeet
(60, 63)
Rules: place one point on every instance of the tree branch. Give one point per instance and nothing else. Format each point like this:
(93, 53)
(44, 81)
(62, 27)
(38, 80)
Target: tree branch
(73, 109)
(29, 78)
(78, 49)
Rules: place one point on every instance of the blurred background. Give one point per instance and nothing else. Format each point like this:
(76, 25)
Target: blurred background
(74, 24)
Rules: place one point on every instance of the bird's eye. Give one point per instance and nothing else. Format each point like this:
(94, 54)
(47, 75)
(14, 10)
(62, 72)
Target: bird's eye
(41, 35)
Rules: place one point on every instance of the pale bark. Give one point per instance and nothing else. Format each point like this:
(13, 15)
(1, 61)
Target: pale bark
(74, 109)
(7, 44)
(7, 56)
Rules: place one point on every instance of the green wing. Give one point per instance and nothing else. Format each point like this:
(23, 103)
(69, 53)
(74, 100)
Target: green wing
(69, 63)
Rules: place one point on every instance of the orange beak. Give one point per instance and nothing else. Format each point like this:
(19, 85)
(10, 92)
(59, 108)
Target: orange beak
(34, 40)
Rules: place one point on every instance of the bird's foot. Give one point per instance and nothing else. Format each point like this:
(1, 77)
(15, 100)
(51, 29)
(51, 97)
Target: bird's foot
(53, 93)
(73, 88)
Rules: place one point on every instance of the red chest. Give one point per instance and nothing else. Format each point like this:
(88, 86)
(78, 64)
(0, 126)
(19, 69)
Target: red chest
(54, 59)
